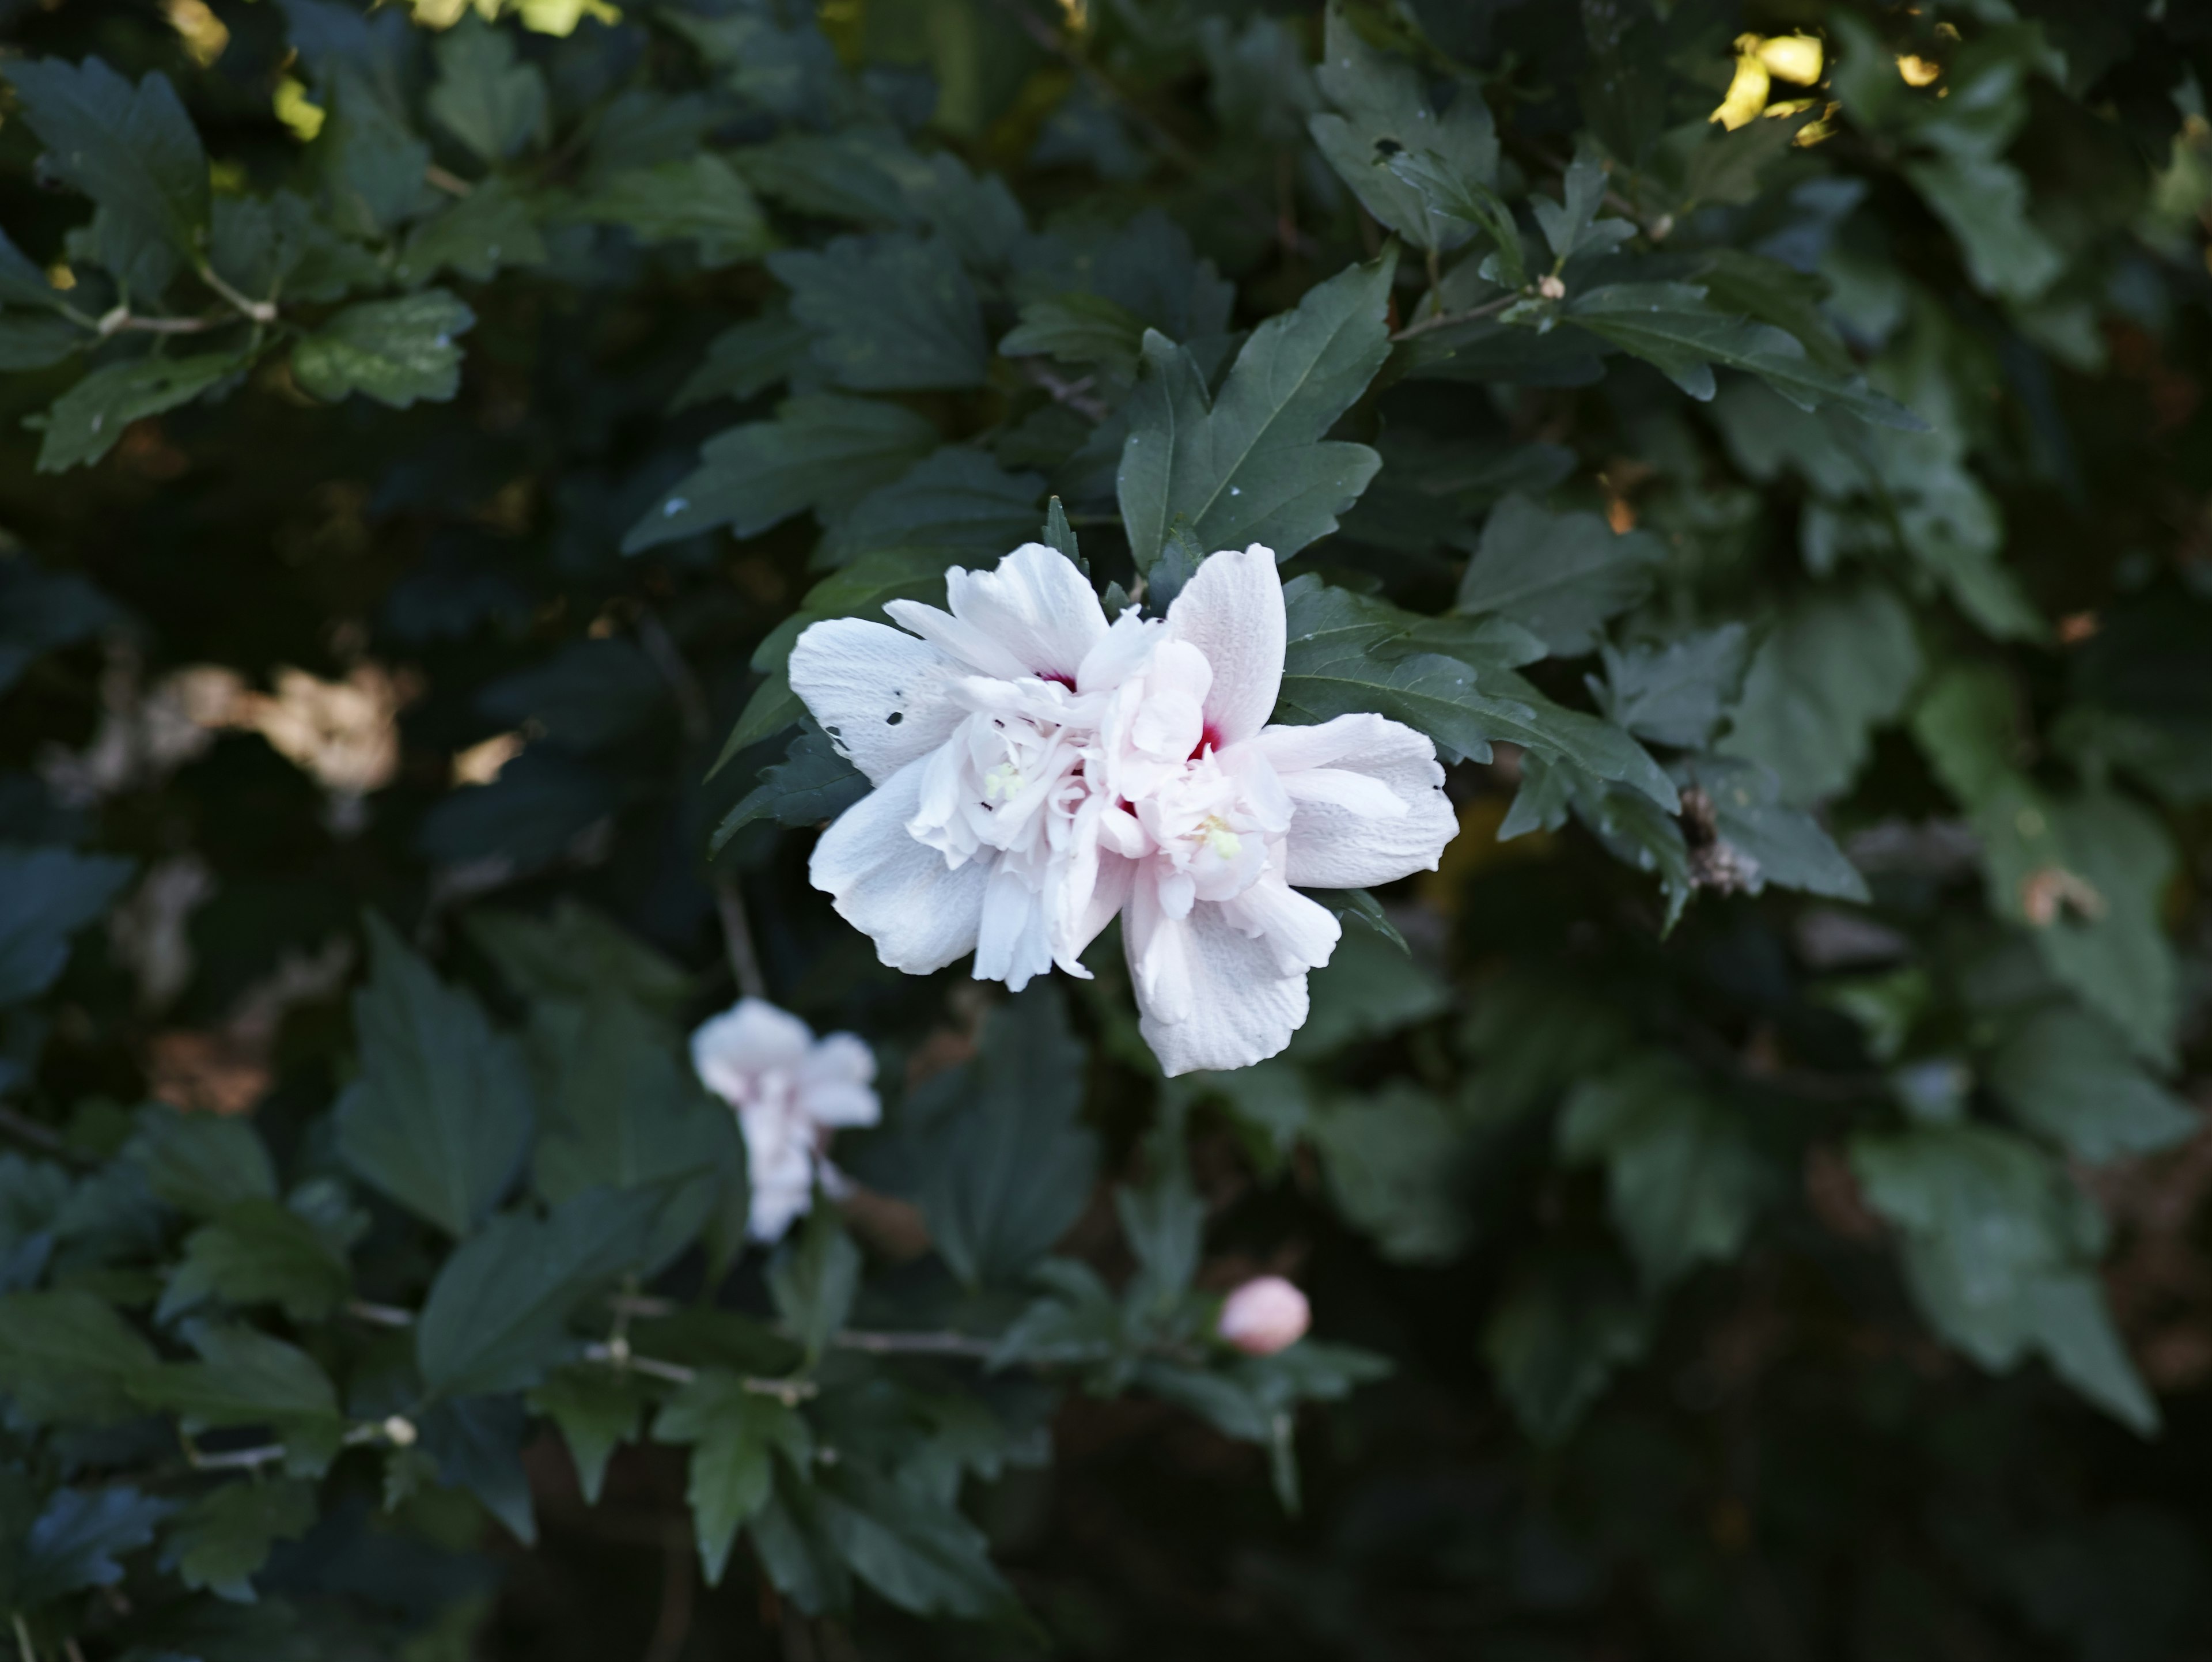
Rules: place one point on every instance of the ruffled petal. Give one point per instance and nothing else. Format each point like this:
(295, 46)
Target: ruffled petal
(1037, 605)
(835, 1082)
(1335, 842)
(972, 650)
(748, 1039)
(1120, 653)
(1303, 933)
(884, 696)
(894, 890)
(1234, 1007)
(1232, 611)
(1012, 942)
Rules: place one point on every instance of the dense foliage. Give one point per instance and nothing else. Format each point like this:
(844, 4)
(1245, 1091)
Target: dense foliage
(1750, 1195)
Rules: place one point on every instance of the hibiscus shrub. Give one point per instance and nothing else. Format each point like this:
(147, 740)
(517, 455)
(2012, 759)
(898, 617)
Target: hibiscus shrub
(763, 767)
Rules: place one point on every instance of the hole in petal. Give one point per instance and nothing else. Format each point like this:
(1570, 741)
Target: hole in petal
(894, 718)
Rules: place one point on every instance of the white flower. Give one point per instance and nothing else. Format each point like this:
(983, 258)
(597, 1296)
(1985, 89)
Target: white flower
(1225, 814)
(791, 1090)
(1264, 1315)
(980, 732)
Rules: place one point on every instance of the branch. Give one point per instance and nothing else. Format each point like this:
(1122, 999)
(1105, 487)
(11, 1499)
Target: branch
(1489, 308)
(379, 1315)
(1075, 394)
(616, 1354)
(917, 1344)
(39, 1136)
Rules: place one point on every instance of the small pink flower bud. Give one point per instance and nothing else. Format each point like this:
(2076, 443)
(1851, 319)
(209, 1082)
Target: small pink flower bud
(1265, 1316)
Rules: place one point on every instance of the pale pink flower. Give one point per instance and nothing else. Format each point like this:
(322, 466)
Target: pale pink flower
(1264, 1315)
(791, 1090)
(1215, 819)
(979, 731)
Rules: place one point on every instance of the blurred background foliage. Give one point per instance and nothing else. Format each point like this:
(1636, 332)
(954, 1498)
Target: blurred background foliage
(1774, 1257)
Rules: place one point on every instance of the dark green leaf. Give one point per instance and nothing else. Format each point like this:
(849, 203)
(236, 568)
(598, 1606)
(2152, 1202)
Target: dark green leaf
(1681, 1171)
(1675, 694)
(814, 1280)
(574, 954)
(493, 105)
(1560, 575)
(1252, 466)
(821, 450)
(441, 1113)
(701, 199)
(132, 150)
(1564, 1328)
(2067, 1074)
(955, 504)
(87, 420)
(68, 1358)
(496, 1317)
(47, 895)
(223, 1538)
(735, 1434)
(748, 358)
(34, 340)
(75, 1541)
(1009, 1168)
(1769, 842)
(245, 1378)
(1078, 328)
(889, 313)
(257, 1251)
(1835, 665)
(813, 784)
(202, 1163)
(1392, 1158)
(593, 693)
(487, 231)
(598, 1410)
(394, 350)
(921, 1555)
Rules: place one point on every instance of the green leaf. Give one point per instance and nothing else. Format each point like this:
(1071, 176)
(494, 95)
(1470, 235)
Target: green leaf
(1556, 1338)
(920, 1553)
(1347, 653)
(87, 420)
(1674, 694)
(1681, 1176)
(394, 350)
(586, 697)
(1559, 575)
(1768, 842)
(748, 358)
(201, 1163)
(497, 1314)
(47, 895)
(441, 1113)
(257, 1251)
(1008, 1165)
(67, 1358)
(223, 1538)
(132, 151)
(574, 954)
(1078, 328)
(486, 231)
(38, 340)
(1358, 906)
(77, 1539)
(813, 784)
(245, 1378)
(889, 313)
(598, 1410)
(1670, 326)
(2067, 1074)
(1998, 1246)
(40, 611)
(1570, 225)
(1385, 113)
(1984, 203)
(481, 96)
(958, 503)
(1451, 194)
(795, 1548)
(822, 450)
(701, 199)
(734, 1435)
(1370, 986)
(1252, 466)
(372, 162)
(2119, 961)
(814, 1280)
(22, 282)
(1837, 664)
(1393, 1160)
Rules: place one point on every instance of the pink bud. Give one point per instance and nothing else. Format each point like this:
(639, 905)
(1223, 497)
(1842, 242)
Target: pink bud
(1265, 1316)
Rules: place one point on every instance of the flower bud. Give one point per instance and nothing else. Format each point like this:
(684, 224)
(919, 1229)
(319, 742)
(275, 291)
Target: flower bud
(1264, 1315)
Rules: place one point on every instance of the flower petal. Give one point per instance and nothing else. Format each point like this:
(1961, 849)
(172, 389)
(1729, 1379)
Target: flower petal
(1303, 933)
(1013, 943)
(1234, 1008)
(1232, 611)
(893, 889)
(749, 1037)
(834, 1080)
(1037, 605)
(1335, 843)
(882, 696)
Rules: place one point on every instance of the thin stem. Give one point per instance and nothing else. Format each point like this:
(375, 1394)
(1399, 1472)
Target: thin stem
(122, 321)
(1075, 394)
(917, 1344)
(1445, 319)
(737, 938)
(261, 311)
(379, 1315)
(38, 1136)
(23, 1640)
(450, 183)
(618, 1355)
